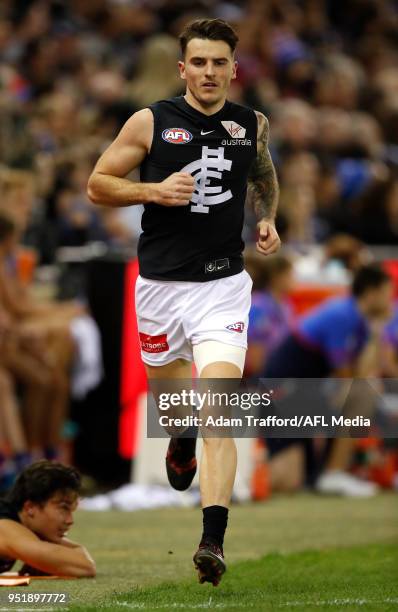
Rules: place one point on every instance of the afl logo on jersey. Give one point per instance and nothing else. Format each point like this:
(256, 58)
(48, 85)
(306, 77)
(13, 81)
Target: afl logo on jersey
(177, 135)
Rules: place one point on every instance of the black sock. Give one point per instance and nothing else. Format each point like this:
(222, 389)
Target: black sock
(215, 519)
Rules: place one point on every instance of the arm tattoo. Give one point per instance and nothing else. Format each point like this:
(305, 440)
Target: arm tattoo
(263, 190)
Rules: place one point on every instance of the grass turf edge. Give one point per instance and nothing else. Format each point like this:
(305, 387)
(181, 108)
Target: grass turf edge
(343, 578)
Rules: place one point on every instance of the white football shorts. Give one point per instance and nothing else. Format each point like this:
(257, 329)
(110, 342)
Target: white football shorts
(174, 316)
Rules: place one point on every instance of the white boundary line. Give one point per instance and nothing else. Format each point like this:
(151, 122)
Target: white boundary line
(208, 604)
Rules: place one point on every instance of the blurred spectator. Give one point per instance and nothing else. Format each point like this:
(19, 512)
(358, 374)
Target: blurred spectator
(156, 77)
(339, 83)
(271, 316)
(334, 262)
(297, 205)
(295, 125)
(13, 446)
(377, 223)
(341, 338)
(36, 354)
(346, 251)
(46, 339)
(389, 364)
(79, 221)
(17, 201)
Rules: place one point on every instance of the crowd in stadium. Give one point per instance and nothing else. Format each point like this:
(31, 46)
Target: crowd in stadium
(72, 72)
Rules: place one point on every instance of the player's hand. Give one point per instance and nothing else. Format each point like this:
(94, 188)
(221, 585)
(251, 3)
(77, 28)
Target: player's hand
(268, 241)
(176, 190)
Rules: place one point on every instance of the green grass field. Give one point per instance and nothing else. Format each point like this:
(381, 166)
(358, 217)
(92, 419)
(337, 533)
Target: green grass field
(302, 552)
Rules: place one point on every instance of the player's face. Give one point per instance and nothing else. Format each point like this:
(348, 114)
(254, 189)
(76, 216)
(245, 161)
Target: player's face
(208, 69)
(52, 520)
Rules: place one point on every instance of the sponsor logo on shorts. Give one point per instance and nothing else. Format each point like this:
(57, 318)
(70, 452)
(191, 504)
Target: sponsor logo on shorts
(217, 265)
(154, 344)
(239, 326)
(176, 135)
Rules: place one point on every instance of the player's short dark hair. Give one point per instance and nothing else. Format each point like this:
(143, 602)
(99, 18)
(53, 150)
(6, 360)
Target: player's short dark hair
(41, 480)
(368, 277)
(211, 29)
(7, 226)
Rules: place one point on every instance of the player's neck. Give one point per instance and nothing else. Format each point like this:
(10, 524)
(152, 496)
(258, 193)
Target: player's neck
(206, 110)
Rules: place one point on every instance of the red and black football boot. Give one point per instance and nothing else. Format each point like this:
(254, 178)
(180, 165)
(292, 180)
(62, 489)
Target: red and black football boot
(180, 468)
(209, 561)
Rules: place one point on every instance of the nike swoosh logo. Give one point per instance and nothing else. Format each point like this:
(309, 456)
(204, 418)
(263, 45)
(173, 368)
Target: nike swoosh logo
(202, 133)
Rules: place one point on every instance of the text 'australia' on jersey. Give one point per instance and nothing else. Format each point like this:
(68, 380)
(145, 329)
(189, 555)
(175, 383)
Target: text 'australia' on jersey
(203, 240)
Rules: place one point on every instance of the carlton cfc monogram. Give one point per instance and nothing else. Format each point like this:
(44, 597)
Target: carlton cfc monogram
(211, 165)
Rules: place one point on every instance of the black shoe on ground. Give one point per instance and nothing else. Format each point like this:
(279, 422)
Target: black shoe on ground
(180, 468)
(209, 561)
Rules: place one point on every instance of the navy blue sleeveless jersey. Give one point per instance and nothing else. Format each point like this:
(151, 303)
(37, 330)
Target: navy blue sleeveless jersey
(7, 511)
(203, 240)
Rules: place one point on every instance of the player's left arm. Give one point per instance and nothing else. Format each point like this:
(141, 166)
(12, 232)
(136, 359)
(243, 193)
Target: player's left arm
(263, 191)
(33, 571)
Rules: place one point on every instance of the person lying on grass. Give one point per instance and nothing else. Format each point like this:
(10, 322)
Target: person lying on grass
(35, 517)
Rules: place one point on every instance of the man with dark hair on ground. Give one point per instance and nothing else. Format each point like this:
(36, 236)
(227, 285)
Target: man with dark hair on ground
(35, 518)
(199, 156)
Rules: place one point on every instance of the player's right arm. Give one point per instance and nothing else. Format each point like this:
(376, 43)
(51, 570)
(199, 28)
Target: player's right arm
(18, 542)
(107, 184)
